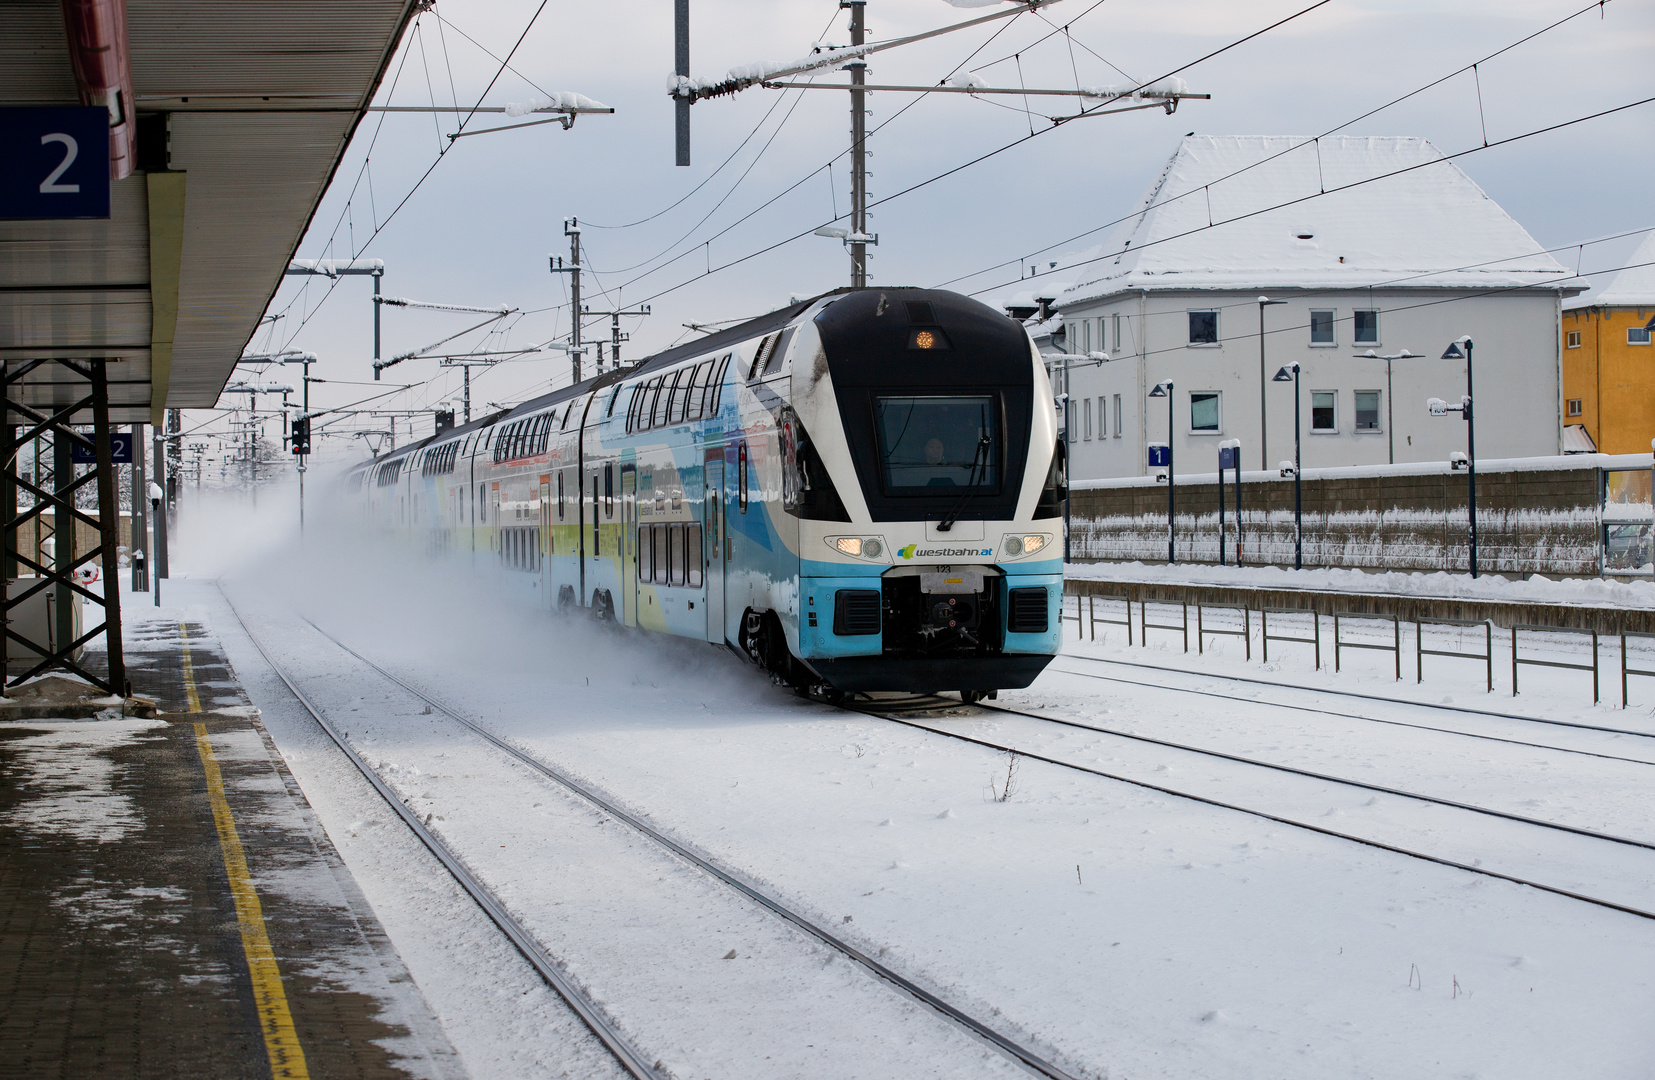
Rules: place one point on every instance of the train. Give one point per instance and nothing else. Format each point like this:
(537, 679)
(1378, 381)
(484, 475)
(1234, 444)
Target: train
(859, 492)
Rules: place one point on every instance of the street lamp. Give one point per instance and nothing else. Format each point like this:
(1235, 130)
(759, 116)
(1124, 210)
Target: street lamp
(1439, 407)
(1290, 373)
(1164, 389)
(1390, 413)
(1263, 423)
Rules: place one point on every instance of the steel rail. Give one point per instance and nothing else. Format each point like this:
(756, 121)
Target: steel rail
(628, 1056)
(1016, 1052)
(1363, 697)
(1265, 815)
(1329, 778)
(1351, 716)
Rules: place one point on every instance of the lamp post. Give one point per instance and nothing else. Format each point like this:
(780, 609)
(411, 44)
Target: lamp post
(1290, 373)
(1164, 389)
(1390, 412)
(1439, 407)
(1263, 423)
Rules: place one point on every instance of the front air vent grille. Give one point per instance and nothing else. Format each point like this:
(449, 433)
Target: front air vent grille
(920, 312)
(1028, 611)
(858, 612)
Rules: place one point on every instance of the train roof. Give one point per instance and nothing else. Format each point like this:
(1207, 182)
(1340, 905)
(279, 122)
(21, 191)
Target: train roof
(722, 339)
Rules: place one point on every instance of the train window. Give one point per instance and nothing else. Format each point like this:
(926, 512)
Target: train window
(632, 408)
(646, 411)
(644, 552)
(663, 400)
(692, 555)
(614, 396)
(597, 537)
(716, 389)
(482, 502)
(741, 477)
(698, 391)
(935, 444)
(546, 432)
(658, 550)
(763, 356)
(675, 554)
(560, 495)
(609, 491)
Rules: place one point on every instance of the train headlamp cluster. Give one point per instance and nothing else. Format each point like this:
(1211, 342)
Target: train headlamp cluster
(861, 547)
(1026, 544)
(928, 338)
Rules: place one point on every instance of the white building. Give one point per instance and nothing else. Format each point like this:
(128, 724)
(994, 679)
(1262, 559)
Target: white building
(1379, 263)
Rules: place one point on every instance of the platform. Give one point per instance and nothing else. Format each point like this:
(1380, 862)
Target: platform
(170, 905)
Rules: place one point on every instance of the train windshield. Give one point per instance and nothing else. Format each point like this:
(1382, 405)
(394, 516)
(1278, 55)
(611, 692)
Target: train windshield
(932, 445)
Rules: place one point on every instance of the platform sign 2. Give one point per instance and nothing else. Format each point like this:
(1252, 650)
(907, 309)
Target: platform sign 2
(54, 163)
(1159, 455)
(120, 446)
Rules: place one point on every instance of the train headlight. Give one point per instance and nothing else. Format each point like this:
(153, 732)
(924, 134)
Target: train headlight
(1024, 544)
(858, 547)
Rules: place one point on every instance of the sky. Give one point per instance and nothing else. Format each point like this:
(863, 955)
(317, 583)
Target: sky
(480, 227)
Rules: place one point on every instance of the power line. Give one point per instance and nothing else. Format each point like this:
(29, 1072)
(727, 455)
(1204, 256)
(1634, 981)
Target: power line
(1595, 6)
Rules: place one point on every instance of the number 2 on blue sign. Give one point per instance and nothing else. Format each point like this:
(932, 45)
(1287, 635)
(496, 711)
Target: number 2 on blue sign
(71, 150)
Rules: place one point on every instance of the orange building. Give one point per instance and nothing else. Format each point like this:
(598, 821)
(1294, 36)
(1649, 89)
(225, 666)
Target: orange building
(1609, 363)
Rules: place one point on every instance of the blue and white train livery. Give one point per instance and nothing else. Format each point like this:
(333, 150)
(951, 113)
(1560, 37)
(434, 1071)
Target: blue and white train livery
(860, 492)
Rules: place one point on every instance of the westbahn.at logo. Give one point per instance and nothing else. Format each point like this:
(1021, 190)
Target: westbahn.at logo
(914, 550)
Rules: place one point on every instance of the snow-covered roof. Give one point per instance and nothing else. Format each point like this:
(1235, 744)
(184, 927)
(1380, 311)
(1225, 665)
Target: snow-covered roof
(1633, 287)
(1271, 226)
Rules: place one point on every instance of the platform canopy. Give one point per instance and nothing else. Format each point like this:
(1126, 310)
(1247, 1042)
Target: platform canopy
(242, 114)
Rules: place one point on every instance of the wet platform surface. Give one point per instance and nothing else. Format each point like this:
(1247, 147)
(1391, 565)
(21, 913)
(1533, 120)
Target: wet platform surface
(170, 905)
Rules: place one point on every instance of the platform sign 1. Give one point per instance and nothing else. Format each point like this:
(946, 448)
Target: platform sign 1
(1228, 456)
(1159, 455)
(120, 446)
(54, 163)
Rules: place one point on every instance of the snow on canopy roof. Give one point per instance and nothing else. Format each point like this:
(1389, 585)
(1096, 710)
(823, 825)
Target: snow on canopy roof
(1633, 287)
(1415, 229)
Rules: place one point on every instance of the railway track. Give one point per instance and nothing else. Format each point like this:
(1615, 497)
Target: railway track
(1436, 706)
(917, 710)
(630, 1058)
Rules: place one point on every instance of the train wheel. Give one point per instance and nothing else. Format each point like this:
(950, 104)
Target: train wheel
(971, 697)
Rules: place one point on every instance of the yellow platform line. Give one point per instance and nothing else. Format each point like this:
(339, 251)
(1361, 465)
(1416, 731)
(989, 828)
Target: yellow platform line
(190, 693)
(287, 1059)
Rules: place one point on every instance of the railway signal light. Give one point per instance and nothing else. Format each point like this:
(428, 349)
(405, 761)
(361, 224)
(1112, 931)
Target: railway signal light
(301, 435)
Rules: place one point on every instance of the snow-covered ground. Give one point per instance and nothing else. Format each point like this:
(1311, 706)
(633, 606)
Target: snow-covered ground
(1121, 931)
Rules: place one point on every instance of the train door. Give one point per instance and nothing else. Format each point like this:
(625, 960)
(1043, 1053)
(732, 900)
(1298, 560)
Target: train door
(712, 528)
(629, 546)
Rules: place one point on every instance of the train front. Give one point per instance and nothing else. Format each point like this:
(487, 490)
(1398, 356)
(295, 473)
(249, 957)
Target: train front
(929, 484)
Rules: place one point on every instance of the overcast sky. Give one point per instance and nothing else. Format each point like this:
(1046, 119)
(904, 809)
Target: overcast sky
(479, 229)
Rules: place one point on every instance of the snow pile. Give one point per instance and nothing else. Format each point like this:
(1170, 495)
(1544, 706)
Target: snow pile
(973, 3)
(968, 80)
(1163, 89)
(557, 101)
(1632, 287)
(744, 75)
(1405, 216)
(1595, 592)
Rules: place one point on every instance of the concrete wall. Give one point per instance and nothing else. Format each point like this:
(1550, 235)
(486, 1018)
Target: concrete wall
(1545, 521)
(86, 537)
(1518, 388)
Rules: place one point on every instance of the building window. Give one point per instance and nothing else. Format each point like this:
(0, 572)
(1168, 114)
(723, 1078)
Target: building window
(1204, 412)
(1324, 412)
(1103, 417)
(1117, 332)
(1117, 416)
(1321, 328)
(1366, 325)
(1573, 339)
(1574, 406)
(1203, 328)
(1367, 410)
(1637, 335)
(1086, 412)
